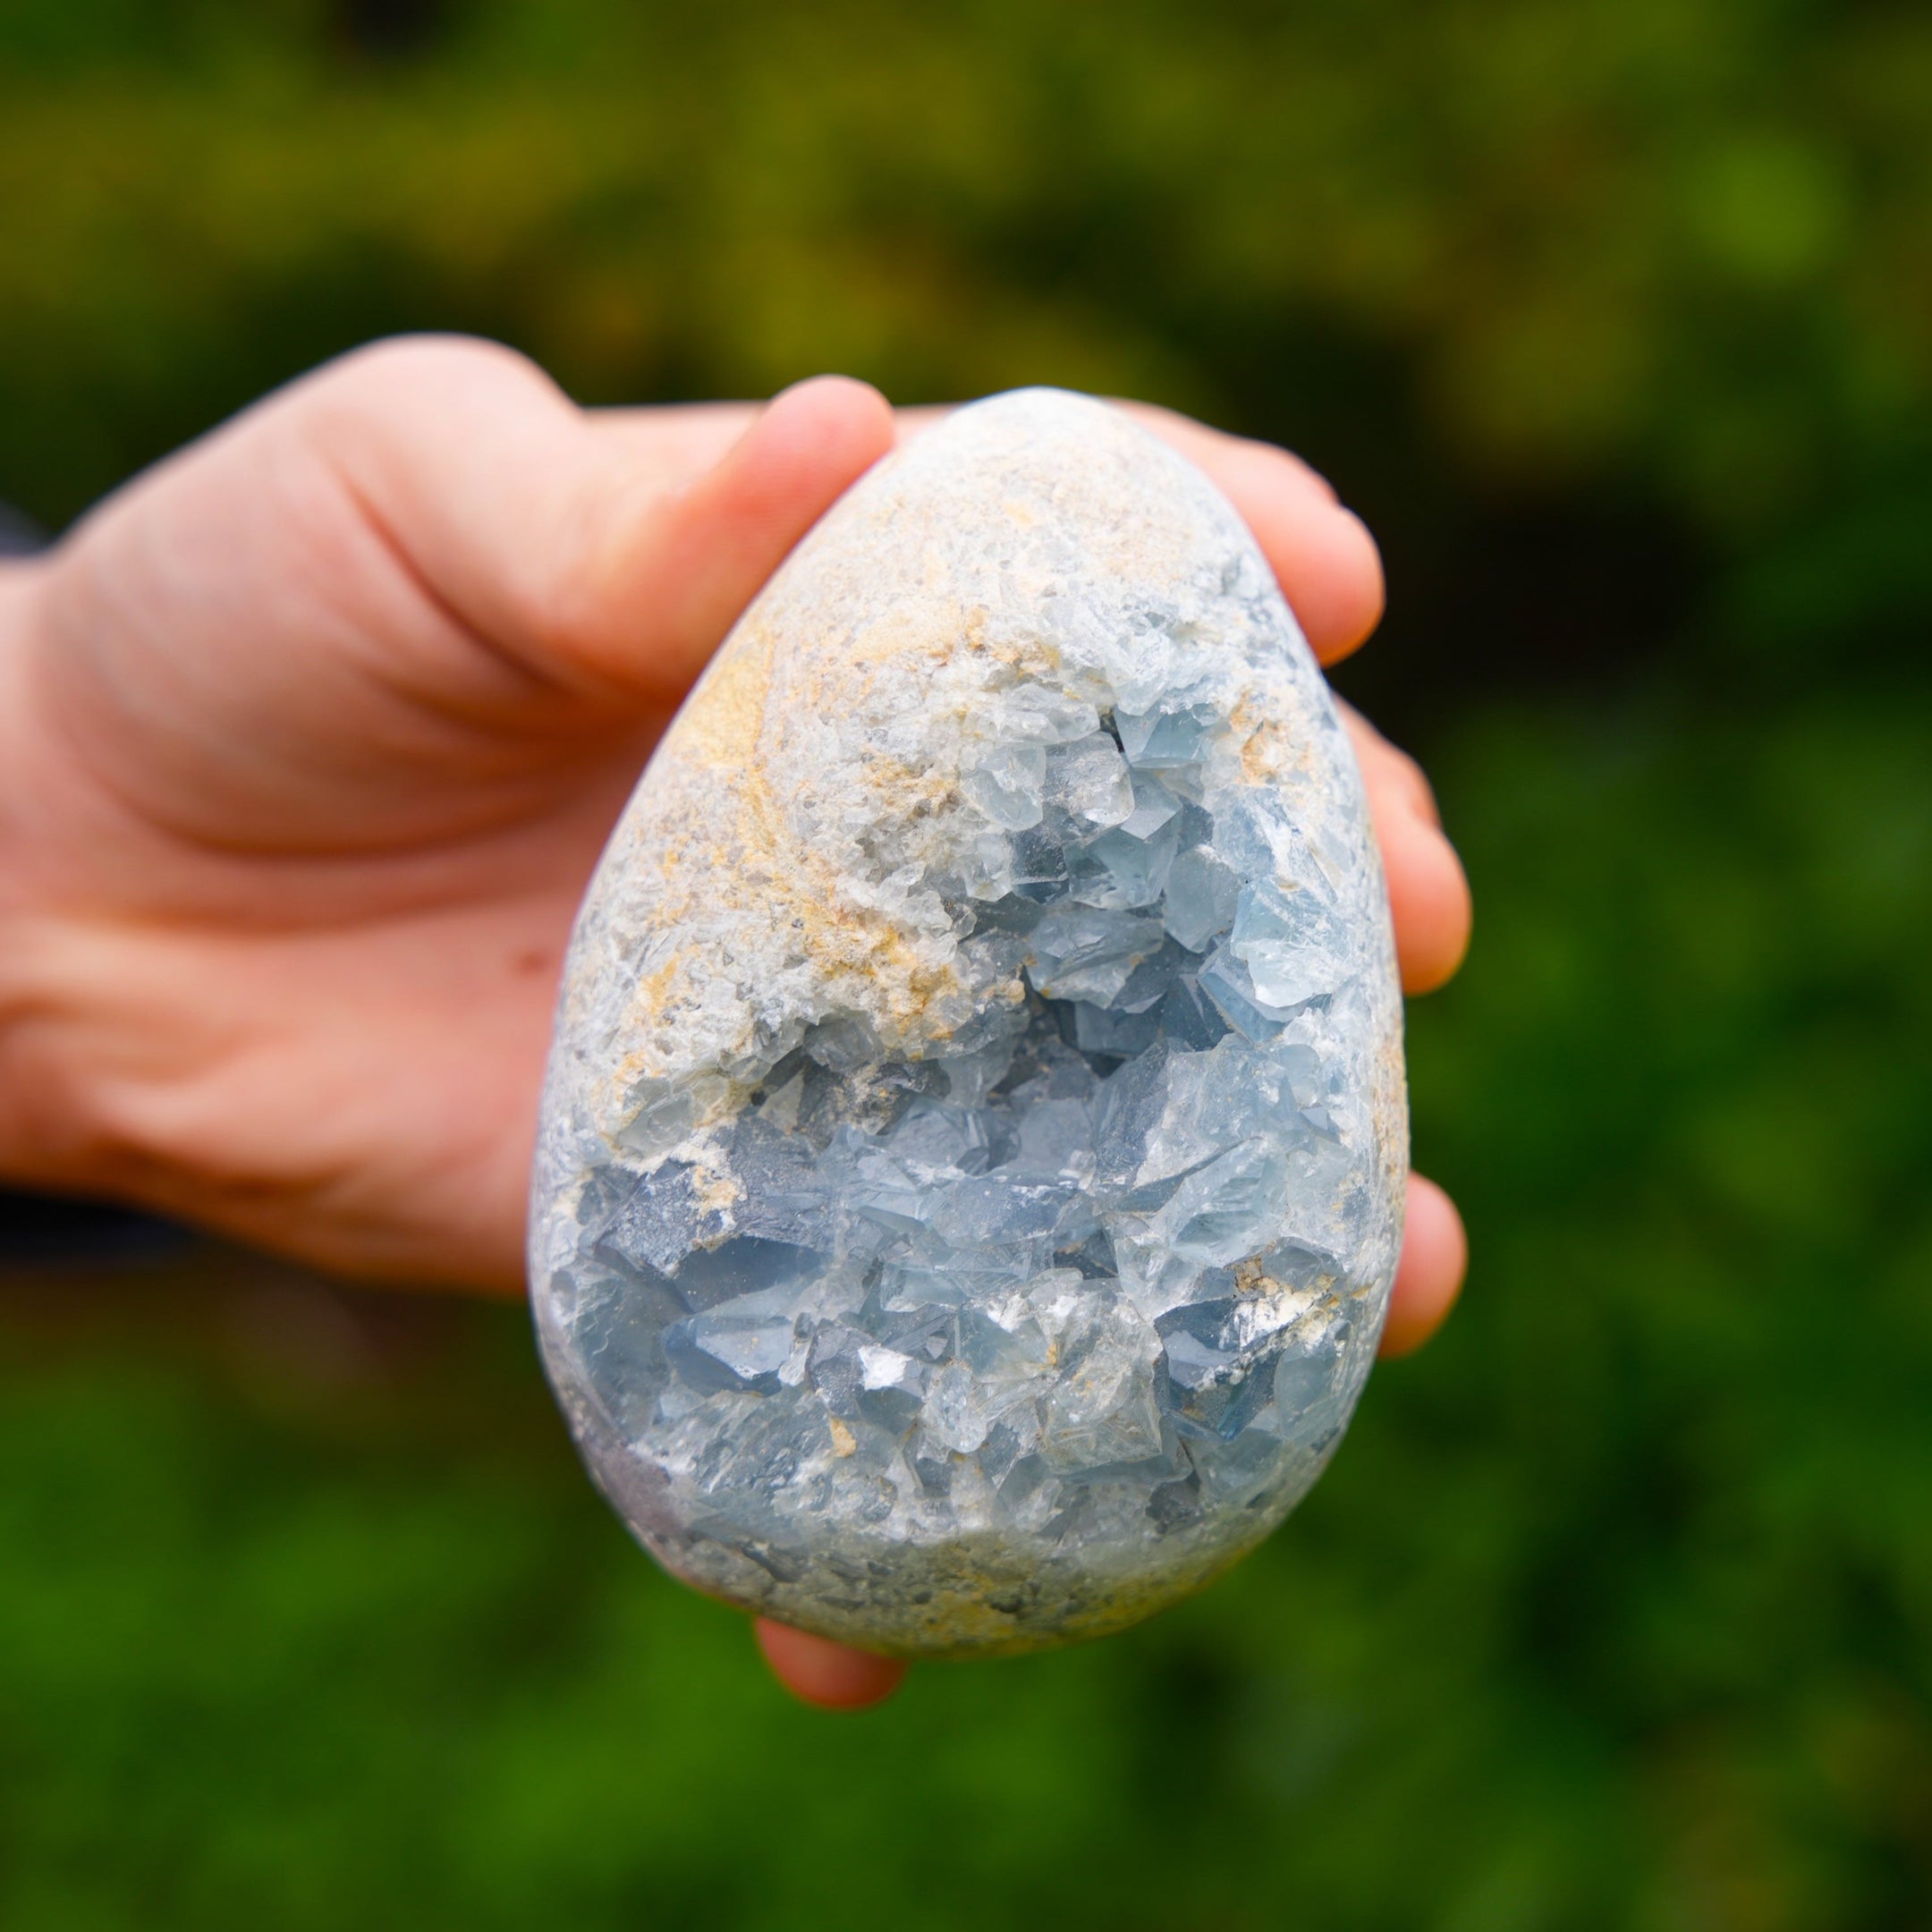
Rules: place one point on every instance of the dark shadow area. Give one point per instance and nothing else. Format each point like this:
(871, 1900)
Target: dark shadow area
(40, 1230)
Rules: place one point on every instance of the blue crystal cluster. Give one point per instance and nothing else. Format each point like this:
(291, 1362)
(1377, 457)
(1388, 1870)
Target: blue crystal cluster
(972, 1171)
(1054, 1283)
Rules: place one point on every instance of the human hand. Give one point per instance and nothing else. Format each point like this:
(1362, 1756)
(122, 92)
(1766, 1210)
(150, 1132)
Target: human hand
(311, 736)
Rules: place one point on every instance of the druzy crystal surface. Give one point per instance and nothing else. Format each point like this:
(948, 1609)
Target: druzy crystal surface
(971, 1164)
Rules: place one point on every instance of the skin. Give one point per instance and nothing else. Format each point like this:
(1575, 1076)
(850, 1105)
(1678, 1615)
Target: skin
(311, 736)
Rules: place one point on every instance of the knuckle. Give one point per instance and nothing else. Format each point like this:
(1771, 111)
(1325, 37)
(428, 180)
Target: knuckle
(408, 358)
(365, 388)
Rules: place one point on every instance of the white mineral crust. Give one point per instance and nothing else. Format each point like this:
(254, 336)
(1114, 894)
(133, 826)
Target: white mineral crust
(973, 1155)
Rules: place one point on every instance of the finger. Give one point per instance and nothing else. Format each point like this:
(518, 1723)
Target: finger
(1429, 892)
(1434, 1257)
(832, 1675)
(711, 546)
(566, 546)
(679, 440)
(1322, 555)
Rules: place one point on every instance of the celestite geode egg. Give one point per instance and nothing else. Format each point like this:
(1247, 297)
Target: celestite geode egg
(973, 1155)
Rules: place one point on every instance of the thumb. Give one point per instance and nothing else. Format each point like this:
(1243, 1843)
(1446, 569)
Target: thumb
(601, 565)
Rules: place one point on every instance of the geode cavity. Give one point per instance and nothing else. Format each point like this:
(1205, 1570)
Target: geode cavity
(972, 1155)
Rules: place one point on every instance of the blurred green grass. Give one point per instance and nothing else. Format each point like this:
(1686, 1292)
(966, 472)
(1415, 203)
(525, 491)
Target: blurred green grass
(1616, 1608)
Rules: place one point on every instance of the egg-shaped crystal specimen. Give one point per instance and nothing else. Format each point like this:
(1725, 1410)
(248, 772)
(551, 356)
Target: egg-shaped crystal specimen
(973, 1155)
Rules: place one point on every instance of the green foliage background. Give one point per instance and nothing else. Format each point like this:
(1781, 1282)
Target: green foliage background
(1616, 318)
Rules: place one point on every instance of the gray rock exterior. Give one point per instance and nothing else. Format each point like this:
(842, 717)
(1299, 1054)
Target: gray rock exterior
(973, 1155)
